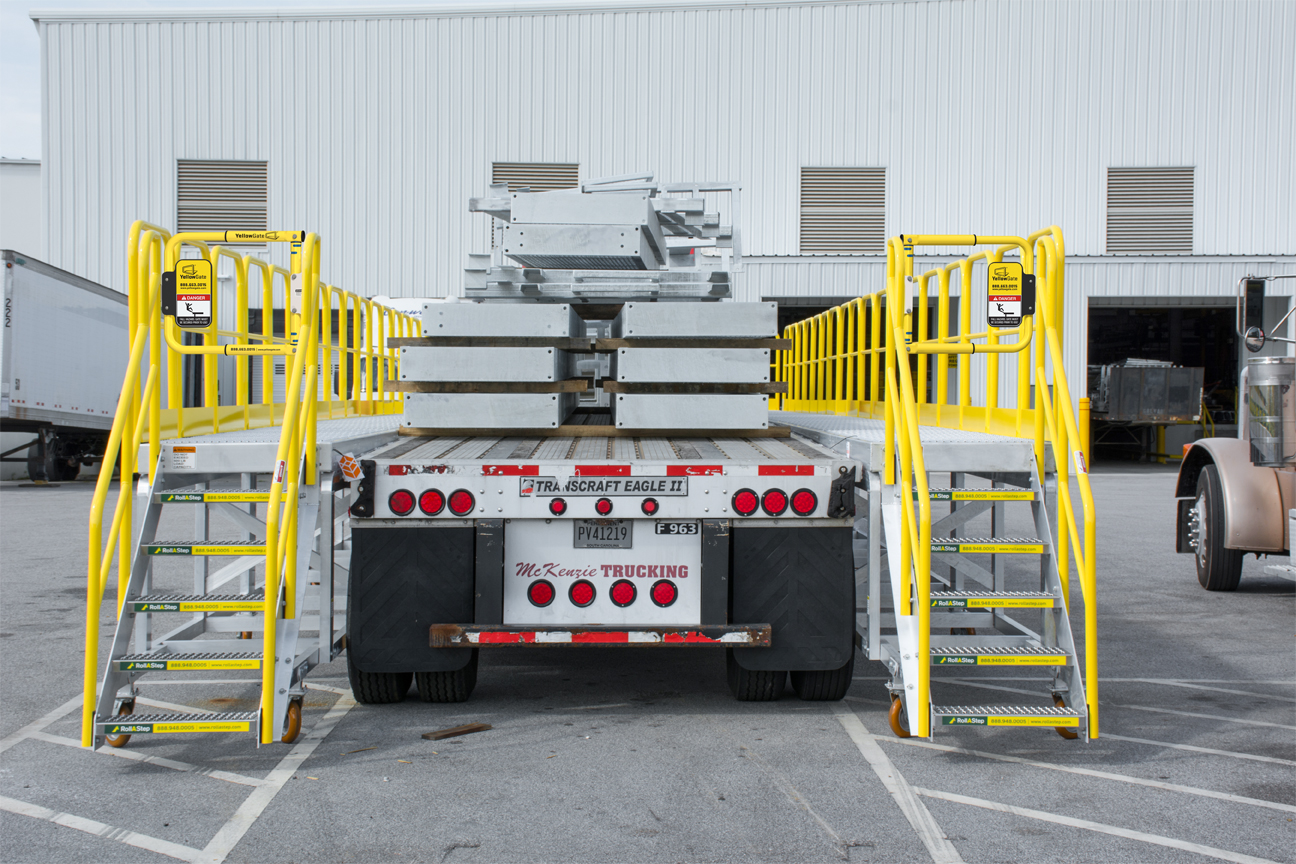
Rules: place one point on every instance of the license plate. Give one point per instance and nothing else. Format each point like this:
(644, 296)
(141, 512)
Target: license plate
(603, 534)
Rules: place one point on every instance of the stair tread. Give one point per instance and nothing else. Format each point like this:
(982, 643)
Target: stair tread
(1025, 650)
(206, 543)
(1001, 540)
(193, 655)
(991, 594)
(196, 717)
(1039, 710)
(978, 491)
(199, 598)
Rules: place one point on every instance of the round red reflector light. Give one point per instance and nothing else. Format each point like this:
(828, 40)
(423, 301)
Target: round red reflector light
(557, 506)
(603, 506)
(663, 593)
(401, 502)
(804, 502)
(774, 502)
(623, 592)
(461, 502)
(540, 593)
(581, 593)
(431, 502)
(650, 506)
(745, 502)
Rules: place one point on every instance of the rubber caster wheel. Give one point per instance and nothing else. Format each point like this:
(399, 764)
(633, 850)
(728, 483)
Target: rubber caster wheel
(1065, 731)
(294, 722)
(125, 710)
(897, 718)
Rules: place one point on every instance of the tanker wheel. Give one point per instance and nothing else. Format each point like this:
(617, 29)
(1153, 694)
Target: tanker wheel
(1065, 731)
(294, 722)
(126, 709)
(1218, 568)
(898, 718)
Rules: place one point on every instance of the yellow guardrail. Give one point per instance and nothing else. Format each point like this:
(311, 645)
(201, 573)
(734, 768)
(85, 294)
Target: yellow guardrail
(355, 331)
(870, 357)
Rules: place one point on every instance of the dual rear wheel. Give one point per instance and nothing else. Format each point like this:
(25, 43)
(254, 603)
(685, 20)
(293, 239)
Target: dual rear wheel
(760, 685)
(381, 688)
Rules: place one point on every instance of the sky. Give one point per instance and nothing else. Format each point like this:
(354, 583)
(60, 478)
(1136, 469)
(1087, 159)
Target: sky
(20, 97)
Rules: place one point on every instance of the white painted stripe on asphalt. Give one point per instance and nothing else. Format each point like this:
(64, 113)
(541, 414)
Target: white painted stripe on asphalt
(99, 829)
(36, 725)
(1169, 682)
(169, 706)
(1195, 749)
(1089, 772)
(1286, 681)
(255, 804)
(1042, 692)
(173, 764)
(942, 851)
(1206, 716)
(1156, 839)
(596, 707)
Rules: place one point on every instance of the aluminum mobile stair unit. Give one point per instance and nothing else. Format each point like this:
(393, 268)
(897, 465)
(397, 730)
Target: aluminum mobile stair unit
(948, 605)
(230, 456)
(677, 516)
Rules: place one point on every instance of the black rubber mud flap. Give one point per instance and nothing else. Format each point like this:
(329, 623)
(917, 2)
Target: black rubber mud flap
(802, 581)
(404, 580)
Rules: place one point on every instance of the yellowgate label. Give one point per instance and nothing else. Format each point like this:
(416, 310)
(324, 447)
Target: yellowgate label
(264, 236)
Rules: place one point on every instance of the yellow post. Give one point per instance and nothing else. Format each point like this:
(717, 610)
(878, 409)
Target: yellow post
(942, 331)
(1084, 429)
(919, 335)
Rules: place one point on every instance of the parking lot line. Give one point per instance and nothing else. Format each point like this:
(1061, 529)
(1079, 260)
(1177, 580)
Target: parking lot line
(1206, 716)
(173, 764)
(942, 851)
(99, 829)
(1168, 682)
(255, 804)
(1089, 772)
(36, 725)
(1156, 839)
(1195, 749)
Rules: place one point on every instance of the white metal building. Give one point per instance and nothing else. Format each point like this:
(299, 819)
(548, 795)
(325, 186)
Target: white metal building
(1159, 136)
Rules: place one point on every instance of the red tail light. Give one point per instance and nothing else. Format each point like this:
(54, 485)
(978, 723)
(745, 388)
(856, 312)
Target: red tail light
(804, 502)
(664, 593)
(540, 592)
(581, 593)
(745, 502)
(401, 502)
(462, 502)
(623, 592)
(774, 502)
(650, 506)
(603, 506)
(431, 502)
(557, 506)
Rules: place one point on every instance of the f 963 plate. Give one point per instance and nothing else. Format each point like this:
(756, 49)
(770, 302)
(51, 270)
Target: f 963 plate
(603, 534)
(676, 528)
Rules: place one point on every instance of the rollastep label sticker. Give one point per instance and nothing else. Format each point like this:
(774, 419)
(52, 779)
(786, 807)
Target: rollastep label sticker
(992, 602)
(992, 548)
(164, 728)
(981, 495)
(192, 549)
(1010, 720)
(186, 665)
(200, 606)
(999, 660)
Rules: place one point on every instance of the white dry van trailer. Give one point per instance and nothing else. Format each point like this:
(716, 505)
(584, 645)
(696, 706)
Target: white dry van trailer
(61, 366)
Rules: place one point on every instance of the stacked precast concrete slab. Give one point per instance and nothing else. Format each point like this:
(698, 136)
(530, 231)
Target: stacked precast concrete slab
(648, 258)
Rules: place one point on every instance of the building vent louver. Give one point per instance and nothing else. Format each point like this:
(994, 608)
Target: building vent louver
(218, 195)
(536, 176)
(843, 211)
(1149, 211)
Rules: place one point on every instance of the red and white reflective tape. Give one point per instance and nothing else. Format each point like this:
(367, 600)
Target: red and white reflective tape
(608, 637)
(786, 471)
(281, 470)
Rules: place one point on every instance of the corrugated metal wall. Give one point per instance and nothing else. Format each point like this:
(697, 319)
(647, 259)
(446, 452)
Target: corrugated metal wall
(989, 115)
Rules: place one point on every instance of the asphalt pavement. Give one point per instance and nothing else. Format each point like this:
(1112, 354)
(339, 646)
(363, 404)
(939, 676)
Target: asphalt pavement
(617, 754)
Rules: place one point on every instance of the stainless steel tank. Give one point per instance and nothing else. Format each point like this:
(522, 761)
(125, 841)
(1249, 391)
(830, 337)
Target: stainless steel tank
(1271, 411)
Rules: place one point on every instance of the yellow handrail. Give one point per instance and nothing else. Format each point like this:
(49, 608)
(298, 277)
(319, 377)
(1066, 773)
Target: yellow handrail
(821, 350)
(157, 353)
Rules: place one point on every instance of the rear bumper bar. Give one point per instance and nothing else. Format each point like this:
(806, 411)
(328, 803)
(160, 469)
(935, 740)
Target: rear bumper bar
(478, 635)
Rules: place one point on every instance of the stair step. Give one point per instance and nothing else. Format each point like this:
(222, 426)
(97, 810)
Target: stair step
(206, 547)
(994, 545)
(992, 600)
(1025, 655)
(159, 661)
(199, 603)
(214, 496)
(159, 724)
(979, 494)
(1004, 715)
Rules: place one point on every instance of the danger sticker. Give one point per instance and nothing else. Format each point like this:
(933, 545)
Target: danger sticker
(1005, 286)
(194, 293)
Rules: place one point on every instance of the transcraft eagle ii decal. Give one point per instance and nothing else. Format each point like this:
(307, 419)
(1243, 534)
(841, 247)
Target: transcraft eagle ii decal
(541, 487)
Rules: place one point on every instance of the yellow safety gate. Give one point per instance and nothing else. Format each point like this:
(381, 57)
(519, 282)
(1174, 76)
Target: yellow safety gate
(858, 359)
(309, 309)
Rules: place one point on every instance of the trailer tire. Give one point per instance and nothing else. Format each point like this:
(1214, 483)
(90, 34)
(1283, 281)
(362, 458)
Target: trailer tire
(454, 686)
(823, 685)
(753, 685)
(1218, 568)
(378, 688)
